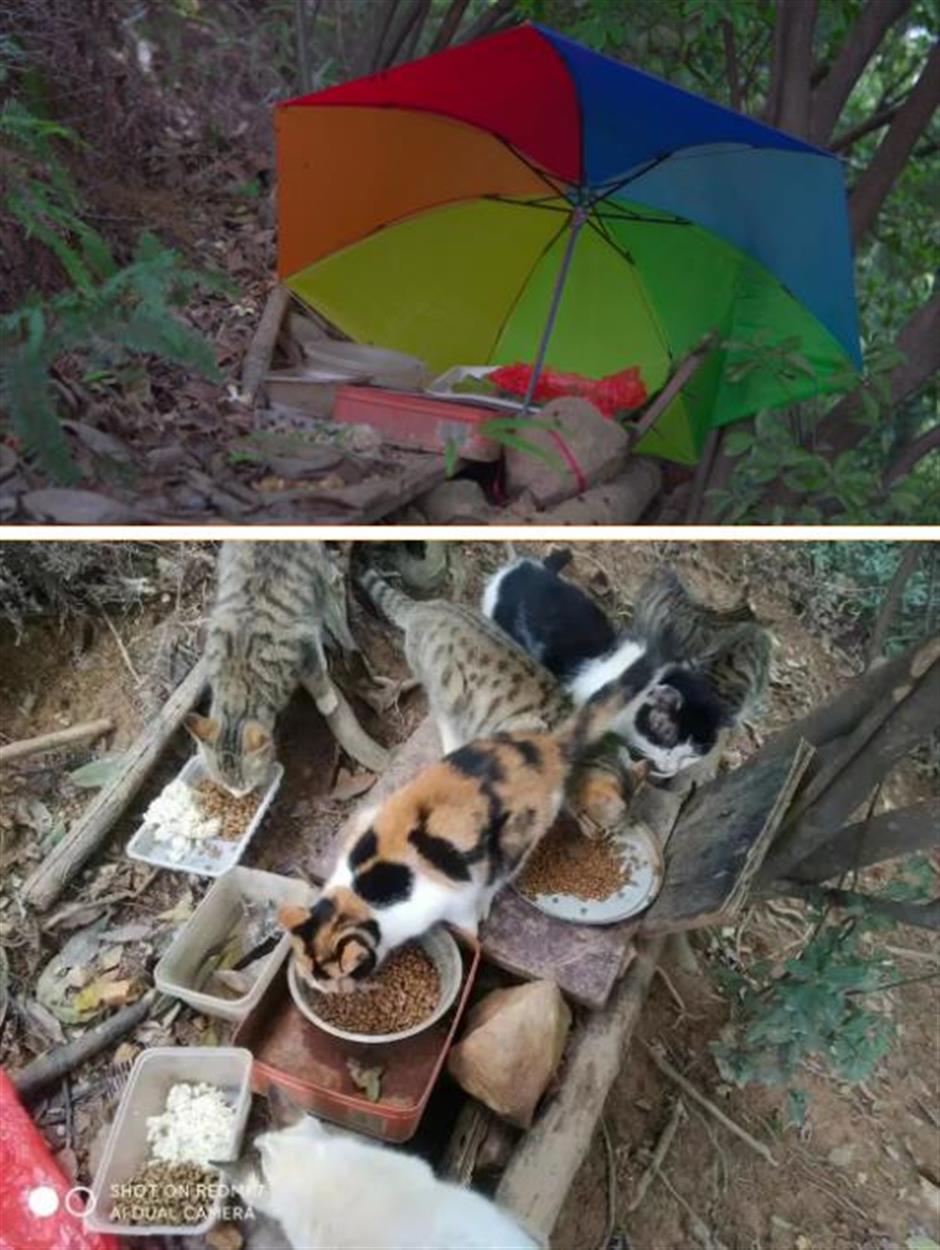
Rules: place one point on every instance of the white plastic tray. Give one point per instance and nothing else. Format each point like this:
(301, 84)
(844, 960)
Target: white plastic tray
(212, 856)
(640, 853)
(127, 1149)
(180, 971)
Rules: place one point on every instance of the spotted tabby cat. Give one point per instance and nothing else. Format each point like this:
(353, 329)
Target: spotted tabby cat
(443, 845)
(264, 637)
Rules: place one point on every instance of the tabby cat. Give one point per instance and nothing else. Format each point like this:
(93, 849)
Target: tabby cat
(440, 848)
(478, 680)
(329, 1190)
(264, 636)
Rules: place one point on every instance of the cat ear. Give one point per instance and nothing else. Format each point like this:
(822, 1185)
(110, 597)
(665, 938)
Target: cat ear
(254, 738)
(202, 728)
(285, 1112)
(291, 916)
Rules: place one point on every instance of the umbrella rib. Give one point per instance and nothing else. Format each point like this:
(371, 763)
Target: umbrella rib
(625, 256)
(514, 304)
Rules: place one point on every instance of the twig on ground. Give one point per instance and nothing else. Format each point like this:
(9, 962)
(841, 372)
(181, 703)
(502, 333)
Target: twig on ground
(700, 1229)
(659, 1154)
(667, 981)
(686, 1085)
(611, 1187)
(125, 655)
(56, 1063)
(59, 738)
(67, 1108)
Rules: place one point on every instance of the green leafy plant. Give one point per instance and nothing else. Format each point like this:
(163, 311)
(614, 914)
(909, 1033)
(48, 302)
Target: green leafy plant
(815, 1007)
(108, 314)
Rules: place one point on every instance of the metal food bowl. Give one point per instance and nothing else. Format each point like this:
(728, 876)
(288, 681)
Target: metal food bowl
(442, 949)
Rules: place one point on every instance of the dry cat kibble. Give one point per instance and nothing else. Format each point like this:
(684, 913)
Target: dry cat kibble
(404, 991)
(165, 1193)
(233, 814)
(587, 868)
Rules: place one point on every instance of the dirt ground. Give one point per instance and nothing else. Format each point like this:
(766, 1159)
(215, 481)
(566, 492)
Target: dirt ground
(864, 1169)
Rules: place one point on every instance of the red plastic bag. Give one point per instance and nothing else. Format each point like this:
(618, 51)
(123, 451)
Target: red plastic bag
(618, 392)
(35, 1196)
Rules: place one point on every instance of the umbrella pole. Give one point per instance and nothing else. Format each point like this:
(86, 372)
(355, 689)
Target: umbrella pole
(578, 218)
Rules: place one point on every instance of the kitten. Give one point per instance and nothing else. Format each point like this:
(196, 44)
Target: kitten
(264, 637)
(478, 680)
(554, 620)
(332, 1191)
(440, 848)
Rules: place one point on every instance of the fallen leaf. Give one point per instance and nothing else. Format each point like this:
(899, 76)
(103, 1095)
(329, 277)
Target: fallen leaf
(103, 993)
(127, 933)
(182, 910)
(369, 1080)
(74, 507)
(127, 1052)
(43, 1021)
(351, 785)
(110, 958)
(99, 772)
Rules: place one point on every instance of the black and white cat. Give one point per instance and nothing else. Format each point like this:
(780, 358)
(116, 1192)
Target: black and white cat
(719, 660)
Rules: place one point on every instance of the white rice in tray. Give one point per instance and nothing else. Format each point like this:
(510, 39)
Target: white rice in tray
(178, 821)
(196, 1126)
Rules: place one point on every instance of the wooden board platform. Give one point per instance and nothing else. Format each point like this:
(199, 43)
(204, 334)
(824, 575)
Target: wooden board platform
(720, 840)
(585, 961)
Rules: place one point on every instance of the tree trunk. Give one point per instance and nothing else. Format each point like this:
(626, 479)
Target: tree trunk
(873, 187)
(788, 103)
(910, 456)
(859, 46)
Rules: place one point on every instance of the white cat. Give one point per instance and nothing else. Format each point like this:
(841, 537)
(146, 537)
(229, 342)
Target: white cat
(332, 1191)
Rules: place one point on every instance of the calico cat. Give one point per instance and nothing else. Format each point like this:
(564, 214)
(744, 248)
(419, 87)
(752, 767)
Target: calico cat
(440, 848)
(265, 635)
(331, 1191)
(725, 652)
(478, 680)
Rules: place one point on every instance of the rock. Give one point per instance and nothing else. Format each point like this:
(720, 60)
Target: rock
(457, 502)
(512, 1045)
(598, 446)
(619, 502)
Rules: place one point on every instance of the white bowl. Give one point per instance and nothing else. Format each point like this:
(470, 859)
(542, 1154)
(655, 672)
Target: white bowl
(445, 954)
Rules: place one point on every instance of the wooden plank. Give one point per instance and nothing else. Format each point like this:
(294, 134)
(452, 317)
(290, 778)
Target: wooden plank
(536, 1182)
(720, 841)
(585, 961)
(45, 884)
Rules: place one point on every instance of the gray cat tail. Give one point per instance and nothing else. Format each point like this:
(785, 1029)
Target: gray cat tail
(583, 731)
(390, 602)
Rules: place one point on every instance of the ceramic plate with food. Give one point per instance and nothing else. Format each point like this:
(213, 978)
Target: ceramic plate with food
(598, 880)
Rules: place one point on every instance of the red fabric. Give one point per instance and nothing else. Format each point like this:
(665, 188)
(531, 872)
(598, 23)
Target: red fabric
(618, 392)
(26, 1164)
(513, 84)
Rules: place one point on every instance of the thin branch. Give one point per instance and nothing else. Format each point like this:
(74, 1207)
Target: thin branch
(913, 117)
(849, 137)
(391, 8)
(683, 374)
(910, 558)
(404, 30)
(411, 43)
(731, 64)
(858, 48)
(900, 831)
(488, 20)
(449, 24)
(702, 473)
(911, 455)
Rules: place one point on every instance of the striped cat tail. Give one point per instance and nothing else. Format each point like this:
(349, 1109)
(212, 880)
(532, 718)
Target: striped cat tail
(583, 731)
(395, 606)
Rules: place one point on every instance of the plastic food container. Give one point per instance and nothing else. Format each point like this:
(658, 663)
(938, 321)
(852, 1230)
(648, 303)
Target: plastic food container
(210, 857)
(424, 422)
(154, 1073)
(311, 1065)
(181, 971)
(445, 955)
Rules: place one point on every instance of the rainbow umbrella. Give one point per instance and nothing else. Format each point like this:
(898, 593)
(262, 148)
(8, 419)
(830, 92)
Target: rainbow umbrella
(522, 193)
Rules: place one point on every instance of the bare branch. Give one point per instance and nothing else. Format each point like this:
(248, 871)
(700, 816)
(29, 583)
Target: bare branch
(449, 24)
(910, 558)
(416, 12)
(488, 20)
(685, 371)
(901, 831)
(388, 15)
(911, 455)
(913, 117)
(849, 137)
(731, 64)
(867, 32)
